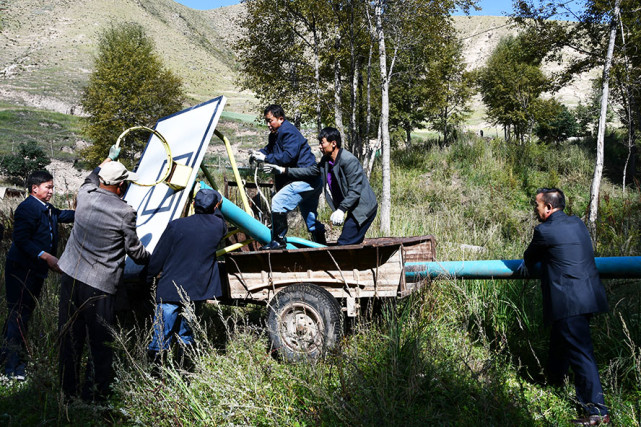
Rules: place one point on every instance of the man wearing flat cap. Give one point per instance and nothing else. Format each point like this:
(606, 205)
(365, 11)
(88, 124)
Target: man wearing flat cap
(93, 264)
(184, 264)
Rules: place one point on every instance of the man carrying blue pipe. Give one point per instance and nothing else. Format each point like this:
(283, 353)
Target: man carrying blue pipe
(347, 188)
(287, 147)
(572, 293)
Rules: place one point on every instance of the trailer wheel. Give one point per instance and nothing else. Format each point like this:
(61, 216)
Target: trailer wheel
(304, 321)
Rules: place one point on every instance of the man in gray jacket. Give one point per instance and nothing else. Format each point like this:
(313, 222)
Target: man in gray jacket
(93, 265)
(347, 188)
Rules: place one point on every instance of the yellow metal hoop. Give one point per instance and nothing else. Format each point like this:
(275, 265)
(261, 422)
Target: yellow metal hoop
(164, 143)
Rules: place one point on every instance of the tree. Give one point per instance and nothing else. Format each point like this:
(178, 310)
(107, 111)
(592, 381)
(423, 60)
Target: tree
(598, 166)
(280, 52)
(556, 122)
(129, 87)
(457, 89)
(594, 37)
(30, 158)
(511, 85)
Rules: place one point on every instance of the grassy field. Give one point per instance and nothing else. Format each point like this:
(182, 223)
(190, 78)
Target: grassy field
(460, 352)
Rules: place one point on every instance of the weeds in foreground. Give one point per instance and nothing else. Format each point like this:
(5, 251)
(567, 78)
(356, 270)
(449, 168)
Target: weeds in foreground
(458, 353)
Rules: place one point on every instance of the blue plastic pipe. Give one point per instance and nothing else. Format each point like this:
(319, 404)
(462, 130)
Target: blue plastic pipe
(608, 267)
(254, 228)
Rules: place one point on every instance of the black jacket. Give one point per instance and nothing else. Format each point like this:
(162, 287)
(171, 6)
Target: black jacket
(31, 233)
(569, 278)
(289, 148)
(186, 256)
(358, 196)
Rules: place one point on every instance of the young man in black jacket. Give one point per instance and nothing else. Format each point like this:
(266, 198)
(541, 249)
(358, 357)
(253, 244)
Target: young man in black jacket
(347, 188)
(31, 256)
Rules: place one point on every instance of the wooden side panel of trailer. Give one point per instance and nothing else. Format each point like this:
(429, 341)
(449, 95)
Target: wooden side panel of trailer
(374, 268)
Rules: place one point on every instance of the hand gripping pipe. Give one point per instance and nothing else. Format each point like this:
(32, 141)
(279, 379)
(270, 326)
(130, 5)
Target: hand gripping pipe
(608, 267)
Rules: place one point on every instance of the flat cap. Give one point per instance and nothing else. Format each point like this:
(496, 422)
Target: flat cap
(206, 199)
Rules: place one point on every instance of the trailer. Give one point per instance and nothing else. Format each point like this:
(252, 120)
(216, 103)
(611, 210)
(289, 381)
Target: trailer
(310, 291)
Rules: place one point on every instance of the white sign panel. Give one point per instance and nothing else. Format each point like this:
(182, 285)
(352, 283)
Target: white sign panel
(188, 133)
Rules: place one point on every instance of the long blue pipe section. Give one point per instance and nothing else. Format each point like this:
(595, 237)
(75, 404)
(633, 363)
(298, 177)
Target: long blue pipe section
(255, 228)
(609, 268)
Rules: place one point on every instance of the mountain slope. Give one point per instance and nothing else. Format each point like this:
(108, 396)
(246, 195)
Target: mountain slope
(47, 48)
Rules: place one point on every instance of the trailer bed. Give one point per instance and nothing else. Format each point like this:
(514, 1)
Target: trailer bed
(374, 268)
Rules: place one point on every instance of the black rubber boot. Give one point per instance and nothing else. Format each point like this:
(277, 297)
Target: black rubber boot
(279, 230)
(318, 235)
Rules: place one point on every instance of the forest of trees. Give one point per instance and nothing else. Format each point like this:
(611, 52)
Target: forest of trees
(388, 67)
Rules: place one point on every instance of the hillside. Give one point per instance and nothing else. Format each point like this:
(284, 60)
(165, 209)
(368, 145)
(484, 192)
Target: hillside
(47, 48)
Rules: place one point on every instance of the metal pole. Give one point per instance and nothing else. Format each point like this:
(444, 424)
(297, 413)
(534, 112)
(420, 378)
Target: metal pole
(232, 160)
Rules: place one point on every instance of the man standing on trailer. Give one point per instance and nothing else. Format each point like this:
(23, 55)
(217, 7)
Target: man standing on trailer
(347, 188)
(572, 293)
(287, 147)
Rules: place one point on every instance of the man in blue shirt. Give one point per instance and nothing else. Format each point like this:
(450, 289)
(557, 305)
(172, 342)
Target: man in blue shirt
(287, 147)
(31, 256)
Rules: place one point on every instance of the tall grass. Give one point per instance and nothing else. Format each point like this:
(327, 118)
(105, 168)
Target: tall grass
(459, 352)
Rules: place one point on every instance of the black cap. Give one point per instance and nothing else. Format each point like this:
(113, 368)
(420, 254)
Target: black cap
(206, 199)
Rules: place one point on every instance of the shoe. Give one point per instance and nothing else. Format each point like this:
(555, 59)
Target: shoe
(592, 420)
(17, 377)
(274, 244)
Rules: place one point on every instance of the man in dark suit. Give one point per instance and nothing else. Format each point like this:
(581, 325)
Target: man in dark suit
(184, 262)
(31, 256)
(572, 293)
(347, 188)
(287, 147)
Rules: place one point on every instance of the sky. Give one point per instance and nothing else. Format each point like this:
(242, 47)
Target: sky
(489, 7)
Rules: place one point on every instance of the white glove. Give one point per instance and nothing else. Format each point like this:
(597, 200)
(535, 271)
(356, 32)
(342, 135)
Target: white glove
(275, 169)
(257, 156)
(337, 217)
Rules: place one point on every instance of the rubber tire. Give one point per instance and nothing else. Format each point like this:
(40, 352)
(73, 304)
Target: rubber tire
(304, 322)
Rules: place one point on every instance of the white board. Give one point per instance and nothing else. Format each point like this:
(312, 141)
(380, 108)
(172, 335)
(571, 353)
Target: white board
(188, 133)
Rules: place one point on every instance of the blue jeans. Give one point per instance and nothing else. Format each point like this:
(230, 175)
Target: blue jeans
(301, 194)
(166, 322)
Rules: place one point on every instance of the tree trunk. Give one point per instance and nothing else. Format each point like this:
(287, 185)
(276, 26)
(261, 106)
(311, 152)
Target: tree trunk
(317, 89)
(354, 139)
(368, 118)
(598, 167)
(408, 136)
(386, 198)
(338, 86)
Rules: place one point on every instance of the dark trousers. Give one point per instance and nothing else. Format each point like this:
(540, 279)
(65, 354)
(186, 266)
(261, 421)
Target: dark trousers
(353, 234)
(23, 288)
(571, 346)
(86, 313)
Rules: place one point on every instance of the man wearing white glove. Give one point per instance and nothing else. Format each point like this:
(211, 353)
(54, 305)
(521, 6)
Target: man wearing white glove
(286, 148)
(347, 188)
(337, 217)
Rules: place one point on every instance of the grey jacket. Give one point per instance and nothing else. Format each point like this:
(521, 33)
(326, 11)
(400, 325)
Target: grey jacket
(103, 233)
(358, 196)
